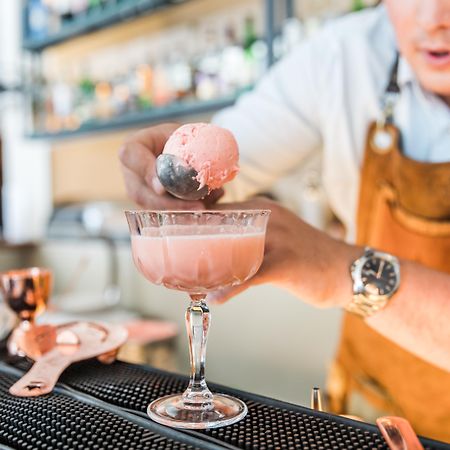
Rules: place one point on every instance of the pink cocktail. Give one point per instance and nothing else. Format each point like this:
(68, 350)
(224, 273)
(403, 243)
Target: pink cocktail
(198, 259)
(197, 252)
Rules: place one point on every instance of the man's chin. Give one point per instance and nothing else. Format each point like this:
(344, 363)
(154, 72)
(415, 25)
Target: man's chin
(436, 82)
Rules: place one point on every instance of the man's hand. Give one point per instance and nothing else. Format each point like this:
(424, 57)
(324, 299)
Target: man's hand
(299, 258)
(315, 268)
(138, 163)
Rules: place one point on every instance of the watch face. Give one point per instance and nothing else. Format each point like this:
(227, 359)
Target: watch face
(378, 276)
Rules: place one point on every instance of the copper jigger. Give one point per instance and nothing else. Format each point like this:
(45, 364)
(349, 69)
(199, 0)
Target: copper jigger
(26, 292)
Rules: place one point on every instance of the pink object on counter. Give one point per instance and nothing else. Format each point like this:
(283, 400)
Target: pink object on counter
(71, 342)
(211, 150)
(398, 433)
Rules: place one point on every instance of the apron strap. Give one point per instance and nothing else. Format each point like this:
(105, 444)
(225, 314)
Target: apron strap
(392, 86)
(390, 97)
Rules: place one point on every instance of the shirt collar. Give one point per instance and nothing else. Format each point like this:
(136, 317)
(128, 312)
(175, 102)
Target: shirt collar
(407, 76)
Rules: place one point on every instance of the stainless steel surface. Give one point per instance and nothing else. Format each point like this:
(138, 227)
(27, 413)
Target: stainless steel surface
(316, 399)
(178, 178)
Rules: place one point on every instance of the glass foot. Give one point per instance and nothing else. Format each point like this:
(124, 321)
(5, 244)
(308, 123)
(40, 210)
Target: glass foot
(171, 411)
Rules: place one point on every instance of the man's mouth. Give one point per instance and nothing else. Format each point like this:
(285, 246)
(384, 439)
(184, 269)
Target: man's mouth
(438, 53)
(437, 57)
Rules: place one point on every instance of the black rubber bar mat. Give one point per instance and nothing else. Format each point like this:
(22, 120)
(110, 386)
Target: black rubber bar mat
(71, 421)
(270, 424)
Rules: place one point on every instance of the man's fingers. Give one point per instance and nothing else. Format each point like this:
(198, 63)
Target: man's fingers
(138, 158)
(136, 190)
(154, 137)
(157, 186)
(223, 295)
(146, 198)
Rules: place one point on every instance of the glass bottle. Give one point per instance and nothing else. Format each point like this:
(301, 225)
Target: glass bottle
(37, 19)
(358, 5)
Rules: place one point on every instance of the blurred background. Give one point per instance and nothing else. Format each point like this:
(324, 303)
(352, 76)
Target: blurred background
(76, 77)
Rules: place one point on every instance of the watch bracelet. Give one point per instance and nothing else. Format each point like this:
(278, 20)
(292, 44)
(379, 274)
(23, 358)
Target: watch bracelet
(363, 307)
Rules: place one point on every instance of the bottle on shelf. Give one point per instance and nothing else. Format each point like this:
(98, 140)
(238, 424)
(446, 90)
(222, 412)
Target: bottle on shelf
(250, 36)
(78, 8)
(207, 80)
(199, 61)
(358, 5)
(163, 94)
(233, 64)
(292, 33)
(180, 65)
(37, 97)
(37, 19)
(144, 78)
(63, 9)
(63, 99)
(85, 94)
(121, 94)
(94, 5)
(256, 53)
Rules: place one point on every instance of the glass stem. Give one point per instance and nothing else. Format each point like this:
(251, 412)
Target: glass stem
(197, 395)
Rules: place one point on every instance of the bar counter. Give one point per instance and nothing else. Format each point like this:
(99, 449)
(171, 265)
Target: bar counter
(100, 406)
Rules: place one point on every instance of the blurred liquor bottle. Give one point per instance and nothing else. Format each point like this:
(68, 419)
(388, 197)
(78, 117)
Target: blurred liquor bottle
(358, 5)
(233, 70)
(144, 78)
(94, 5)
(207, 80)
(250, 36)
(37, 19)
(200, 60)
(63, 9)
(79, 8)
(181, 64)
(255, 48)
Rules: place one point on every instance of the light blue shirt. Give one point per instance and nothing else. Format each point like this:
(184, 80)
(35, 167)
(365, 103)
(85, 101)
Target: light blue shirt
(322, 97)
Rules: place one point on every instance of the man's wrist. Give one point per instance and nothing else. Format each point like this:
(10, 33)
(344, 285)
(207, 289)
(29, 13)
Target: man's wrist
(341, 295)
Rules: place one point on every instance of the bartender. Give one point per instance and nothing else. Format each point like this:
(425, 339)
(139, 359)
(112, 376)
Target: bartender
(372, 93)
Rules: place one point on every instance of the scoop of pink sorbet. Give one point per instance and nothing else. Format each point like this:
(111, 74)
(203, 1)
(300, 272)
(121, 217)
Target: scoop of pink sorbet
(211, 150)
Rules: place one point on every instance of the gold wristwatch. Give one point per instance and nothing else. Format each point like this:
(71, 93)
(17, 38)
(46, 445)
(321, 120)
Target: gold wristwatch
(376, 277)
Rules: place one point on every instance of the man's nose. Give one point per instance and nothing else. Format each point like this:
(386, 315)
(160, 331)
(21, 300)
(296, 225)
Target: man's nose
(433, 14)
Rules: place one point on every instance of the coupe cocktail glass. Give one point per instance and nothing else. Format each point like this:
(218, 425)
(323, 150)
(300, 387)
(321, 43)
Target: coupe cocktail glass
(197, 252)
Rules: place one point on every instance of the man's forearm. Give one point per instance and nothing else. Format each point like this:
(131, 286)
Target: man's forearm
(418, 316)
(315, 267)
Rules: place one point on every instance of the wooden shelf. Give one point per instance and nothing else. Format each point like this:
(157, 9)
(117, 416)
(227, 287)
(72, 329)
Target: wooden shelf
(94, 20)
(147, 117)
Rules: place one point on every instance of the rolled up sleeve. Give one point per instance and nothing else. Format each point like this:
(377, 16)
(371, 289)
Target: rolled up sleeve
(277, 124)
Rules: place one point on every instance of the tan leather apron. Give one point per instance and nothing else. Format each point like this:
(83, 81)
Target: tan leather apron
(404, 209)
